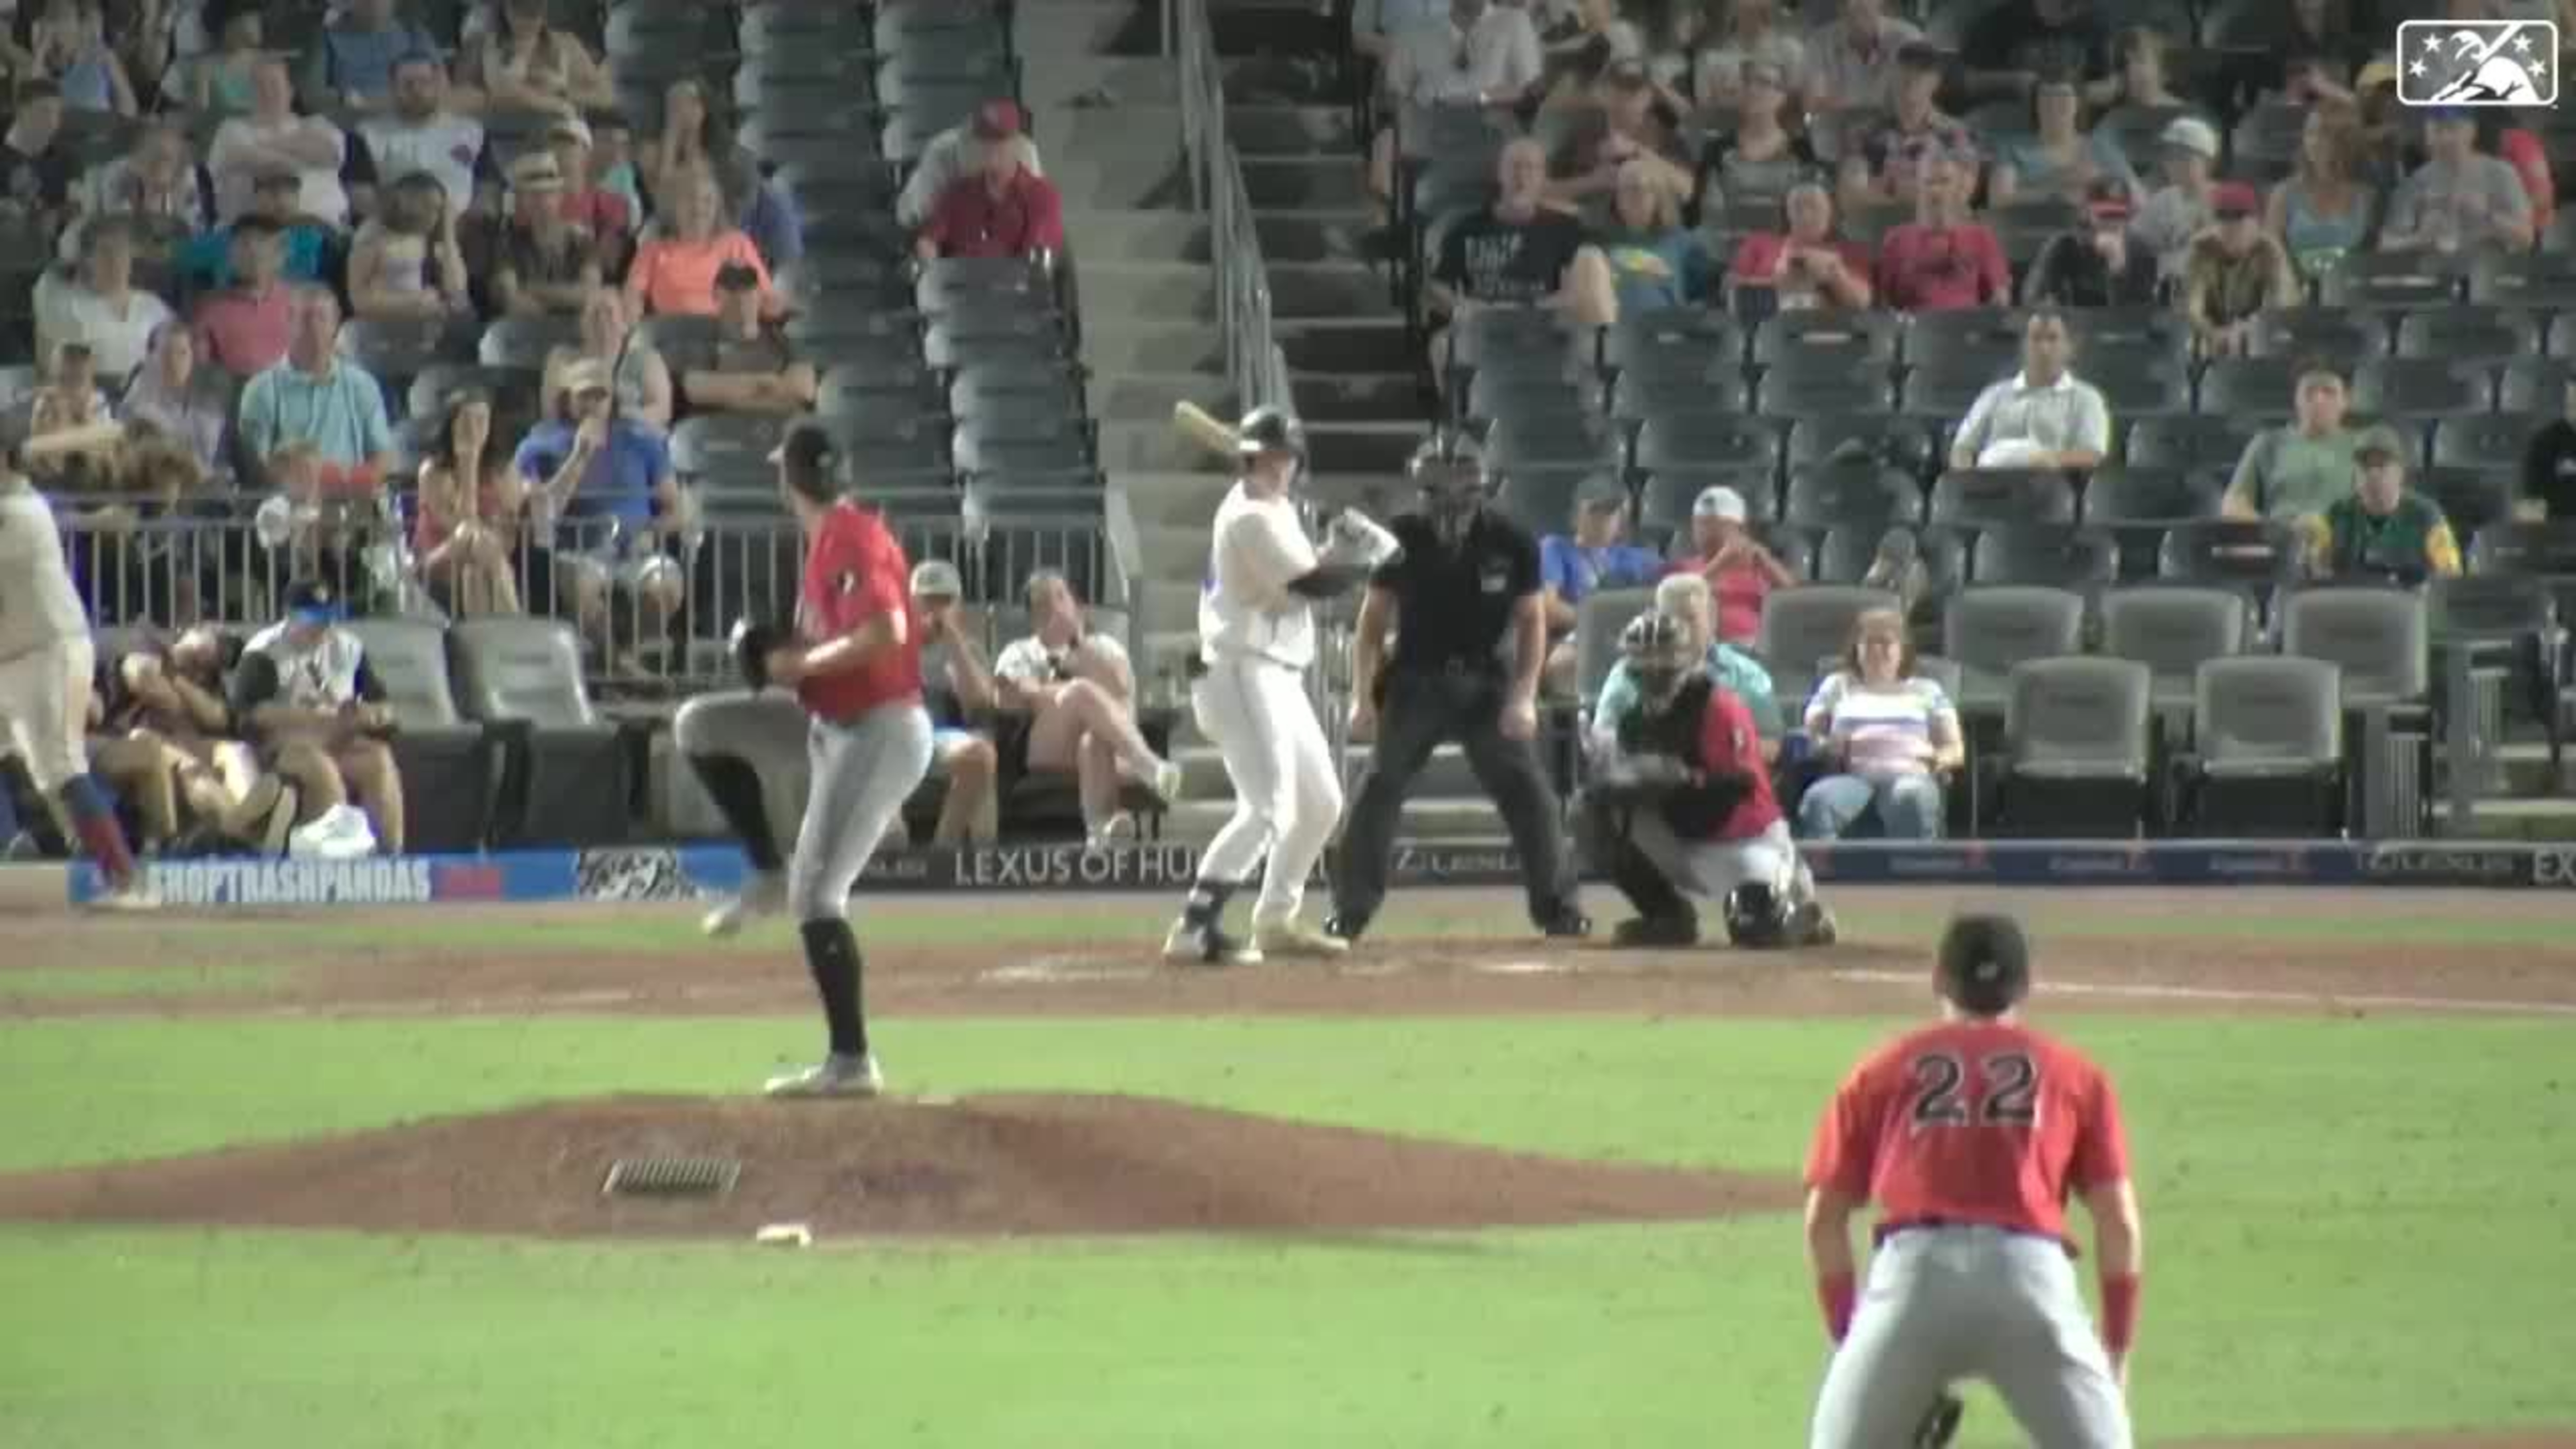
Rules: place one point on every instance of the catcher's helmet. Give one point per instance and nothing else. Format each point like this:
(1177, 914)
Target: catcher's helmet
(1757, 916)
(1985, 964)
(1269, 430)
(1658, 652)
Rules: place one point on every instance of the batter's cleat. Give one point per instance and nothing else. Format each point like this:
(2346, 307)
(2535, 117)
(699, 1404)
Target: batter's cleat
(1567, 924)
(1168, 783)
(1294, 938)
(1812, 925)
(133, 896)
(1656, 931)
(1346, 926)
(1189, 945)
(764, 893)
(835, 1076)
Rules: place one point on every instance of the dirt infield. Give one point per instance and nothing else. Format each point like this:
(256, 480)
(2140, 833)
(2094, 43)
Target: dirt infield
(404, 967)
(1016, 1165)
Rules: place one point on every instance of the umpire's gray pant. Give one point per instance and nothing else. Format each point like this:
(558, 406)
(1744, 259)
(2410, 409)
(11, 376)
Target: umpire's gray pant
(857, 774)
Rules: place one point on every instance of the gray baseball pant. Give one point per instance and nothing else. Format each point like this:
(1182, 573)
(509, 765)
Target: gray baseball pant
(860, 772)
(1943, 1304)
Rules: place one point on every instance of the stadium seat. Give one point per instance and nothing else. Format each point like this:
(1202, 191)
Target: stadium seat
(2001, 497)
(727, 444)
(1990, 630)
(397, 352)
(446, 763)
(1824, 495)
(2332, 334)
(2078, 749)
(1879, 439)
(2510, 624)
(2379, 637)
(1846, 552)
(2535, 385)
(2267, 753)
(1982, 340)
(2259, 555)
(1560, 442)
(2126, 496)
(2539, 282)
(1874, 335)
(1542, 500)
(768, 25)
(2485, 440)
(2127, 332)
(2249, 389)
(2413, 387)
(2411, 281)
(2471, 497)
(567, 778)
(2209, 439)
(2172, 629)
(1715, 442)
(1597, 623)
(2138, 384)
(2049, 555)
(1018, 544)
(2487, 336)
(1524, 340)
(1834, 387)
(1686, 340)
(1807, 623)
(687, 343)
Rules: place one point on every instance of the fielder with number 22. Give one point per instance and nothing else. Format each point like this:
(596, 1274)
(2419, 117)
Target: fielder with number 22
(1970, 1134)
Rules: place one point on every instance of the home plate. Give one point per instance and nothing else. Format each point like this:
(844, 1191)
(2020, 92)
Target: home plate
(1522, 968)
(1054, 971)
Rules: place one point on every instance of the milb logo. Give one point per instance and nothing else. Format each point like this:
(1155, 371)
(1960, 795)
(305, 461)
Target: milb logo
(2477, 63)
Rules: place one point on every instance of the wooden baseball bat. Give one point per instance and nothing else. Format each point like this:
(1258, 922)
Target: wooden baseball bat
(1193, 422)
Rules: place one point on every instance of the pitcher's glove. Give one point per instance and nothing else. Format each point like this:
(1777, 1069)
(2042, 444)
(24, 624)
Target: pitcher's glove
(751, 642)
(1940, 1423)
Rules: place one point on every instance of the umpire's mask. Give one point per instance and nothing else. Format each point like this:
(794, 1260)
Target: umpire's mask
(1449, 471)
(1657, 649)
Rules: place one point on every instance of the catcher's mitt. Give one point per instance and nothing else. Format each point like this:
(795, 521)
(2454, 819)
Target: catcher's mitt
(751, 642)
(1940, 1423)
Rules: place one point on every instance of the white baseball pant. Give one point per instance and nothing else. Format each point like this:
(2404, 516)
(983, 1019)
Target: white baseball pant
(44, 711)
(1712, 869)
(1287, 786)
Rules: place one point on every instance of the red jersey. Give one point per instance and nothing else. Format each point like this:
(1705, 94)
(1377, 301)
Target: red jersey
(1982, 1122)
(854, 571)
(1730, 744)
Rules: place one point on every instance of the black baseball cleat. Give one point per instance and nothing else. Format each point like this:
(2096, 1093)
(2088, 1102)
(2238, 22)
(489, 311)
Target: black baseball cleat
(1194, 945)
(1682, 930)
(1567, 924)
(1345, 926)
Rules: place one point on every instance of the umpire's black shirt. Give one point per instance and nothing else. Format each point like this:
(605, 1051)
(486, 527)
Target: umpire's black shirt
(1454, 606)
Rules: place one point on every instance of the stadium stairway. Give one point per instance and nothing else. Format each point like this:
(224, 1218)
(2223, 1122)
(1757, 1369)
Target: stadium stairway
(1109, 125)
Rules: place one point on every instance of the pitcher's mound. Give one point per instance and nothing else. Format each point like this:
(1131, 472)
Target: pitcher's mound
(984, 1165)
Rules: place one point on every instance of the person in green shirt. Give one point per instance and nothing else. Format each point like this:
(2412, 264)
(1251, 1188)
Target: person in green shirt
(2382, 529)
(2304, 468)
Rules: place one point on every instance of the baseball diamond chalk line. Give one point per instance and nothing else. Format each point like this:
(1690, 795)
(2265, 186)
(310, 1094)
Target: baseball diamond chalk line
(2150, 990)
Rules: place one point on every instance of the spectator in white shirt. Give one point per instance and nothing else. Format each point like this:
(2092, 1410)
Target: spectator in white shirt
(1079, 692)
(419, 133)
(1851, 63)
(959, 152)
(2042, 417)
(272, 135)
(99, 304)
(1480, 57)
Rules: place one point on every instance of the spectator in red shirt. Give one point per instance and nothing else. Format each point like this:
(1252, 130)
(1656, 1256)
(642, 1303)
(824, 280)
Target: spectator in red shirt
(1007, 211)
(244, 328)
(1943, 258)
(1806, 265)
(1741, 573)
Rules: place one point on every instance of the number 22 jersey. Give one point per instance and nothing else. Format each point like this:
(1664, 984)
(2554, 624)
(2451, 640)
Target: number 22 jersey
(1983, 1122)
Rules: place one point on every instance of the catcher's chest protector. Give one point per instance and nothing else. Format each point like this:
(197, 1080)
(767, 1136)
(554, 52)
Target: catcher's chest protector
(1671, 728)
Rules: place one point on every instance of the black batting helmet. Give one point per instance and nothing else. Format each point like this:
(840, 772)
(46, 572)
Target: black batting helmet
(1268, 429)
(1985, 964)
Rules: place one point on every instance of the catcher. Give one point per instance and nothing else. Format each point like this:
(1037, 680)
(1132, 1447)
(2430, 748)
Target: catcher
(1680, 804)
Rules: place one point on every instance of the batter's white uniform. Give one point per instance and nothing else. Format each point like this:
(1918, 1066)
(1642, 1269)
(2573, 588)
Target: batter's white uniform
(1257, 639)
(45, 650)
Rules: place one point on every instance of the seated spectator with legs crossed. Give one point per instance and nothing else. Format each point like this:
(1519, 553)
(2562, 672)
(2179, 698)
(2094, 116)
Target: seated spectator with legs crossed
(1078, 691)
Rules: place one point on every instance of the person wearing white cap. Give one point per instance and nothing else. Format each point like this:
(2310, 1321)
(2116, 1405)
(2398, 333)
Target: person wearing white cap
(1741, 572)
(2183, 207)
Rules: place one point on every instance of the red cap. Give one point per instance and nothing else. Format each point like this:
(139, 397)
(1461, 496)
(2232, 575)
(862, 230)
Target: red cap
(2234, 198)
(998, 120)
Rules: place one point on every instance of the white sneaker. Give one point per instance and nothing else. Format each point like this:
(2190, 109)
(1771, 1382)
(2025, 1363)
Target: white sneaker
(1115, 830)
(1294, 938)
(1188, 945)
(132, 896)
(834, 1076)
(764, 894)
(1169, 781)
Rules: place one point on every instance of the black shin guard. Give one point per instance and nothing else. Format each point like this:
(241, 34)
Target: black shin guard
(734, 785)
(832, 954)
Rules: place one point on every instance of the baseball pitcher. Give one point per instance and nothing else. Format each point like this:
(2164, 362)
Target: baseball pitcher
(46, 665)
(854, 662)
(1680, 804)
(1969, 1134)
(1256, 639)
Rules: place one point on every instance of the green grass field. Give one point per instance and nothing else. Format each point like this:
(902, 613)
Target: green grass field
(2354, 1226)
